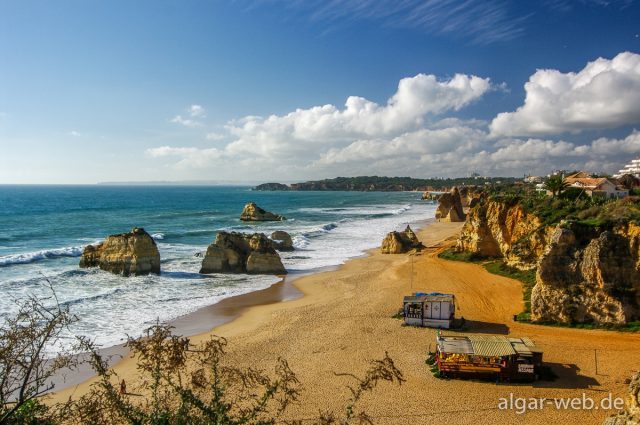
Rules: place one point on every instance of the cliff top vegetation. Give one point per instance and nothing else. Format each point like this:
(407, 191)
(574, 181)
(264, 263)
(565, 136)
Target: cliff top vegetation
(572, 204)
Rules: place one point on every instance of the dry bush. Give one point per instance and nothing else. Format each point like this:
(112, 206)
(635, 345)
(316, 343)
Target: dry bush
(179, 382)
(25, 371)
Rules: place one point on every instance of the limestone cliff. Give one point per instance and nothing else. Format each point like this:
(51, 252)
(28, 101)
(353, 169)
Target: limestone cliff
(242, 253)
(450, 207)
(400, 242)
(583, 273)
(588, 277)
(497, 229)
(631, 414)
(133, 253)
(252, 212)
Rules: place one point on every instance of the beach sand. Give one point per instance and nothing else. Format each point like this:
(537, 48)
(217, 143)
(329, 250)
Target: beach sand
(344, 320)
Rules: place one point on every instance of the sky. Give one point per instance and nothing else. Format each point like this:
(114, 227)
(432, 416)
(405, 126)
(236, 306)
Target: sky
(252, 91)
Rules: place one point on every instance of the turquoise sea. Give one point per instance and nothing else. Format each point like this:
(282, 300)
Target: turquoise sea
(43, 230)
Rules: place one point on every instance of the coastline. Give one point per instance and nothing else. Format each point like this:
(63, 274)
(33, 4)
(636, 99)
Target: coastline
(344, 320)
(208, 318)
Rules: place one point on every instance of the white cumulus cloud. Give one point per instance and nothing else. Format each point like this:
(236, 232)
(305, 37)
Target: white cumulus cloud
(415, 99)
(605, 94)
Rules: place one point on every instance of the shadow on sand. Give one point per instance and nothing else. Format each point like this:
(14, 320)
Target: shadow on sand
(476, 326)
(568, 376)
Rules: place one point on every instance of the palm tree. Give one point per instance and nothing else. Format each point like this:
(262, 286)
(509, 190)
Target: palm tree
(556, 185)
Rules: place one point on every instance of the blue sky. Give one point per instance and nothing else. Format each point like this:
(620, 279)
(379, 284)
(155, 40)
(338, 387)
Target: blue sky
(255, 90)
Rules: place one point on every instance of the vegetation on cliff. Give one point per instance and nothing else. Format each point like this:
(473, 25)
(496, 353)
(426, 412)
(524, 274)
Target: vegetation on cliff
(386, 184)
(571, 204)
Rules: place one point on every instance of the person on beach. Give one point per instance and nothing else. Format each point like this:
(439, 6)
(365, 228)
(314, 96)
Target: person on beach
(123, 387)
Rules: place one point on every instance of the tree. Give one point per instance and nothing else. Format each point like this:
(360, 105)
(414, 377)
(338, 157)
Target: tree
(556, 185)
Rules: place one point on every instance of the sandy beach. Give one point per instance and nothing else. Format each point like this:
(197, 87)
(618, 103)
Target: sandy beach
(344, 319)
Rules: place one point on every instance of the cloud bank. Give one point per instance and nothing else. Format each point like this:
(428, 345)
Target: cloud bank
(605, 94)
(417, 133)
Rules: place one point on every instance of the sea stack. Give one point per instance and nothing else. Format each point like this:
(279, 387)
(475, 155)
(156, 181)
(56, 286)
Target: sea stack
(282, 241)
(400, 242)
(234, 252)
(450, 207)
(252, 212)
(134, 253)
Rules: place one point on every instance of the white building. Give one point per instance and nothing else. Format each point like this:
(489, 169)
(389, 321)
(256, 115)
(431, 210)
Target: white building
(433, 310)
(596, 187)
(632, 168)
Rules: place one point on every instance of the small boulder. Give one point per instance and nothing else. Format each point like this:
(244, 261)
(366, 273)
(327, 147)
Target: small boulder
(282, 240)
(134, 253)
(400, 242)
(252, 212)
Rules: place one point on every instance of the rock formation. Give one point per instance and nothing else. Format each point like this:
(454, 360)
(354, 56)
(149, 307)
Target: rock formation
(242, 253)
(583, 273)
(450, 207)
(597, 283)
(133, 253)
(400, 242)
(282, 240)
(497, 229)
(631, 414)
(252, 212)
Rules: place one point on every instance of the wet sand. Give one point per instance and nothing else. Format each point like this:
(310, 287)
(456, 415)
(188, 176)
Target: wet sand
(345, 320)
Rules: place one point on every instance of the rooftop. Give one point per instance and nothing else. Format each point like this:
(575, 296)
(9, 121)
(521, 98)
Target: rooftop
(486, 345)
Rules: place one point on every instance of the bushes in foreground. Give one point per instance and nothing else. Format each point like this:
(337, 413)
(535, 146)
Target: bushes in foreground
(179, 382)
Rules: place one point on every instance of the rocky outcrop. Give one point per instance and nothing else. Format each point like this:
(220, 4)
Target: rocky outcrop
(631, 414)
(252, 212)
(400, 242)
(584, 279)
(133, 253)
(242, 253)
(282, 241)
(583, 273)
(497, 229)
(450, 207)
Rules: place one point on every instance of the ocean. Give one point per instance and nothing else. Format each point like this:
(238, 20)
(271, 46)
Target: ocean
(43, 230)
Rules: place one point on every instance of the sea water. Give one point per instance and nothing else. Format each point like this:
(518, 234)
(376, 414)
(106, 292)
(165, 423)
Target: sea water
(43, 230)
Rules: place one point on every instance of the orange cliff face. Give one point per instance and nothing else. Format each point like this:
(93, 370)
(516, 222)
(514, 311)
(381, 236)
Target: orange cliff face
(495, 229)
(583, 274)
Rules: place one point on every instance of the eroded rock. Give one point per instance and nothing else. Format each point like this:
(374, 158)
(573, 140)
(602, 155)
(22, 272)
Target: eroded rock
(234, 252)
(400, 242)
(252, 212)
(133, 253)
(450, 207)
(282, 240)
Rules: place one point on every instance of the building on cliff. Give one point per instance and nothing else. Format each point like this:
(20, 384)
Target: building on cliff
(596, 186)
(632, 168)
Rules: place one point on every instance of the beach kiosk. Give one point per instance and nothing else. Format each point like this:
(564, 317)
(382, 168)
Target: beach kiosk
(496, 357)
(433, 310)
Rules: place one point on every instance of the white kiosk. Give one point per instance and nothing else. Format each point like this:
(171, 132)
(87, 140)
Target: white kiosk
(434, 310)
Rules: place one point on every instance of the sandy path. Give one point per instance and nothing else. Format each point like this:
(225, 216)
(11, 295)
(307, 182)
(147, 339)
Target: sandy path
(344, 320)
